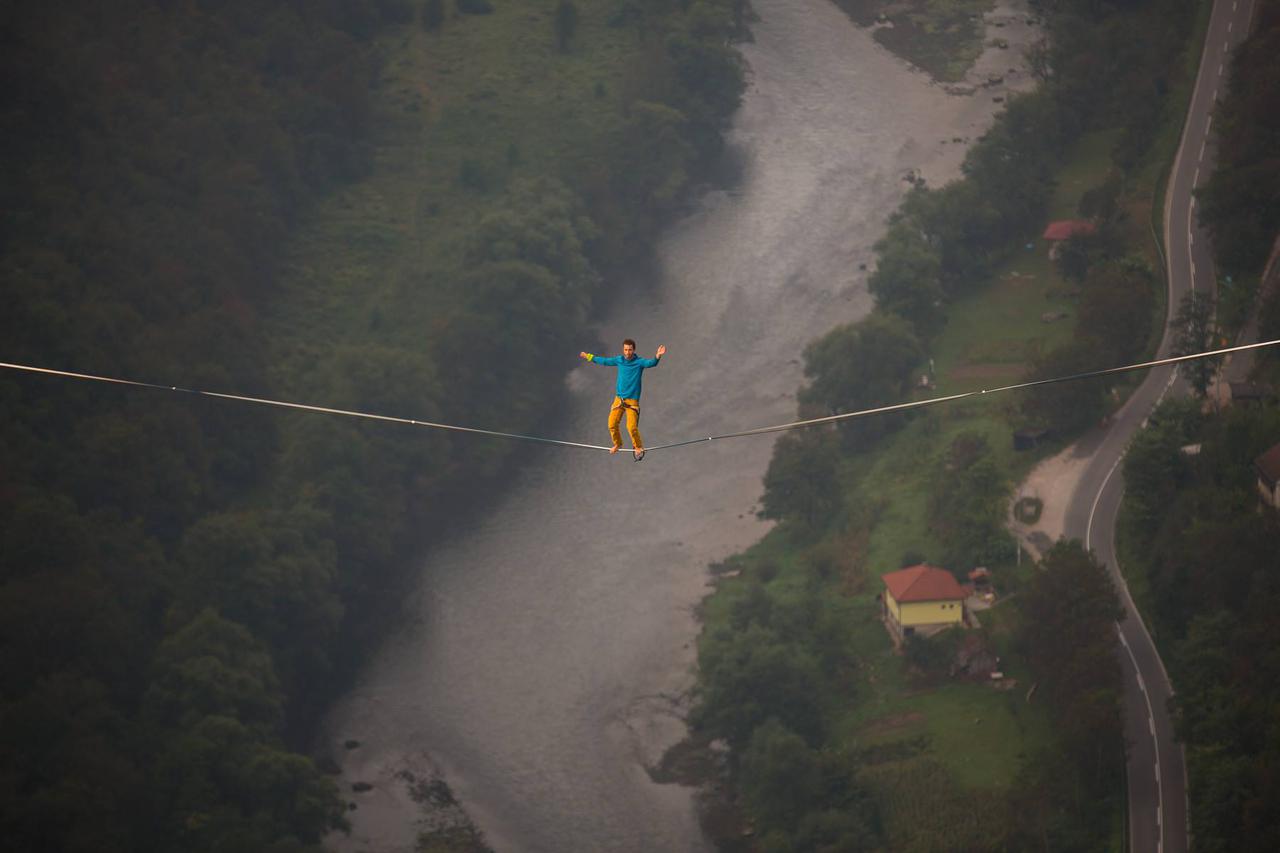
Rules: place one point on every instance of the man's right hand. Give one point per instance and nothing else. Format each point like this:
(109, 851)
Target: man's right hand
(583, 355)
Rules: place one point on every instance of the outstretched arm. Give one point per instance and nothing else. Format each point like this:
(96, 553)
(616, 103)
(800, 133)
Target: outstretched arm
(606, 361)
(653, 362)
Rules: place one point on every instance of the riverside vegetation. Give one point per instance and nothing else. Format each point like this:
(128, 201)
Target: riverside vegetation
(328, 201)
(835, 743)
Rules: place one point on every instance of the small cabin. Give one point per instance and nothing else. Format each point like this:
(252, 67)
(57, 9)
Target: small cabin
(922, 599)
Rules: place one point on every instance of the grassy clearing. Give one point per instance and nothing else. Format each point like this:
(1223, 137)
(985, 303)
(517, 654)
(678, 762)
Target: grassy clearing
(1020, 314)
(1026, 307)
(942, 37)
(968, 728)
(458, 115)
(1086, 166)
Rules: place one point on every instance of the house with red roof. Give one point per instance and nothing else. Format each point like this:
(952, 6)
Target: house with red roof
(1065, 229)
(1268, 467)
(922, 599)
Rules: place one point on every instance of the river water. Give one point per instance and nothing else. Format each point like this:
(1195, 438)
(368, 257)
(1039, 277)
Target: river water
(552, 652)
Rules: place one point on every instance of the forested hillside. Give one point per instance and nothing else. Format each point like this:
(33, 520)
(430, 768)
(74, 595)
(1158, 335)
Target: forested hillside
(156, 155)
(1241, 202)
(1198, 538)
(183, 585)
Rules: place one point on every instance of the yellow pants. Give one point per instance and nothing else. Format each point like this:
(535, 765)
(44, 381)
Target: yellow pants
(632, 408)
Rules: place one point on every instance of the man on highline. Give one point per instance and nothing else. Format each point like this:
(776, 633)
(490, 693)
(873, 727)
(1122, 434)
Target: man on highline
(630, 367)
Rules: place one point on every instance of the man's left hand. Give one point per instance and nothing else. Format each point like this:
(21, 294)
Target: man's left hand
(662, 350)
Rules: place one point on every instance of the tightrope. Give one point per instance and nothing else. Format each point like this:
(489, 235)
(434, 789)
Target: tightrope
(861, 413)
(915, 404)
(303, 406)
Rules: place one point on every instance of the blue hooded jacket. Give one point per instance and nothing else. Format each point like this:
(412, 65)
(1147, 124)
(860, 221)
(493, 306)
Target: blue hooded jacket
(629, 371)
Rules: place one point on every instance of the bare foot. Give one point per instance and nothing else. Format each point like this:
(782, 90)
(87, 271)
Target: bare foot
(639, 452)
(615, 449)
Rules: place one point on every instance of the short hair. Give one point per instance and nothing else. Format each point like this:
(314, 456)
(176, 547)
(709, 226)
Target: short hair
(629, 341)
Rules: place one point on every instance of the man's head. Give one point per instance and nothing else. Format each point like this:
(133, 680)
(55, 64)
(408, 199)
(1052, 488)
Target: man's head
(628, 348)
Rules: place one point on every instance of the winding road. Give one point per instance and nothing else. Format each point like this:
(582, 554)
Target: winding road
(1157, 785)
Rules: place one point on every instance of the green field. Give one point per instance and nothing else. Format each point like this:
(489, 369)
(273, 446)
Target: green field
(942, 37)
(459, 115)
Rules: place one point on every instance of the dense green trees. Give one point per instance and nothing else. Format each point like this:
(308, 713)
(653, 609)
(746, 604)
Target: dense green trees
(943, 243)
(1194, 529)
(858, 366)
(758, 675)
(222, 775)
(1154, 466)
(801, 483)
(1116, 300)
(1195, 330)
(855, 366)
(183, 585)
(804, 799)
(1067, 616)
(907, 280)
(1068, 612)
(1241, 203)
(967, 505)
(158, 160)
(762, 690)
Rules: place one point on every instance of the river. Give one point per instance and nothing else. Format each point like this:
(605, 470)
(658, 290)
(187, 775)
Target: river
(552, 650)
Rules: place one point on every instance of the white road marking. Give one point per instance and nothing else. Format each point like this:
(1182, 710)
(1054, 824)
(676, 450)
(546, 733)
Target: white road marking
(1088, 529)
(1196, 180)
(1155, 742)
(1229, 23)
(1173, 377)
(1203, 143)
(1151, 724)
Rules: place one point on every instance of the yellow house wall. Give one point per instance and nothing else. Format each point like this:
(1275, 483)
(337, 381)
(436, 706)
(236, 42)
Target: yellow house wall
(892, 604)
(1270, 494)
(929, 613)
